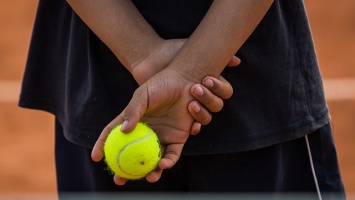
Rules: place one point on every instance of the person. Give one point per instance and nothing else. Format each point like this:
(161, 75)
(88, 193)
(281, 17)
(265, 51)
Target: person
(219, 86)
(261, 141)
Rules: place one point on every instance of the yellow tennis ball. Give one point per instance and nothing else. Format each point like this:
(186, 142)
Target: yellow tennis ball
(132, 155)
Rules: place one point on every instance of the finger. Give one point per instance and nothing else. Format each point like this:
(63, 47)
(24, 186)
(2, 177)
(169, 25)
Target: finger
(128, 118)
(205, 97)
(200, 114)
(134, 110)
(220, 87)
(97, 153)
(235, 61)
(119, 181)
(154, 176)
(195, 128)
(171, 156)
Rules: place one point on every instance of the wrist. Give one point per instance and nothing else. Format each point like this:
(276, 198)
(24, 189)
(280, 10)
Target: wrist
(155, 57)
(137, 50)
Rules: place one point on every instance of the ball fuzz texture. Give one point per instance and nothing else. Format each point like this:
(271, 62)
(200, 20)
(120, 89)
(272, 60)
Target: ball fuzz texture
(132, 155)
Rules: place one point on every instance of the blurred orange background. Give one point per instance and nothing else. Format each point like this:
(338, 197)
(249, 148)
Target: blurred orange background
(27, 136)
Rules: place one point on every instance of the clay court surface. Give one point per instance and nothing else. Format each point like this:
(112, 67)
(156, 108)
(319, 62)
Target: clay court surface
(26, 136)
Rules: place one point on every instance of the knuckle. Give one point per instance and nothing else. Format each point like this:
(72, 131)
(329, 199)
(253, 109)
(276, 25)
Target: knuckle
(206, 119)
(228, 93)
(217, 106)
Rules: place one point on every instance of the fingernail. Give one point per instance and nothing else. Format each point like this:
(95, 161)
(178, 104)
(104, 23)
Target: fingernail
(196, 108)
(196, 131)
(124, 125)
(208, 83)
(198, 91)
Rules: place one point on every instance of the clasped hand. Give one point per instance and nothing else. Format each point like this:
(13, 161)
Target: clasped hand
(167, 100)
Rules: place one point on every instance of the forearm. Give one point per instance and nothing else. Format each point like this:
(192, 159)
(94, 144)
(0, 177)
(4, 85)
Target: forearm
(119, 25)
(224, 29)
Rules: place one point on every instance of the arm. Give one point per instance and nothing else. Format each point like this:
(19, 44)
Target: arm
(163, 98)
(120, 26)
(123, 29)
(224, 29)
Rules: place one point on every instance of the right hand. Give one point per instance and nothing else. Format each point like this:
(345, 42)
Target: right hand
(209, 97)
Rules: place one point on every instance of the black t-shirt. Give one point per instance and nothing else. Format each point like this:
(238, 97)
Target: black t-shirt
(278, 87)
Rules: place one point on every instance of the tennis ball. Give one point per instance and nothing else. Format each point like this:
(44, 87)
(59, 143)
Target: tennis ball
(132, 155)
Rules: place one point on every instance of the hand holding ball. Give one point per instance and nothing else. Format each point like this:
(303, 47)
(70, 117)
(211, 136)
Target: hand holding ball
(132, 155)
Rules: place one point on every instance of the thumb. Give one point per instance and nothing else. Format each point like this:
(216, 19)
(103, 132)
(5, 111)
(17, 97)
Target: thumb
(235, 61)
(128, 118)
(135, 110)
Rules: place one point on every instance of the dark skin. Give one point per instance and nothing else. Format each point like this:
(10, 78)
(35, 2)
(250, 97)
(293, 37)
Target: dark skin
(161, 101)
(144, 53)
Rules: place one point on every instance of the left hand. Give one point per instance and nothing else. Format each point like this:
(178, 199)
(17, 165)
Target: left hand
(162, 103)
